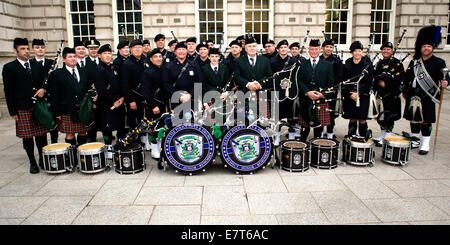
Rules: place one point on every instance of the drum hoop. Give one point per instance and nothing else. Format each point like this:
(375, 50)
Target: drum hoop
(92, 151)
(56, 152)
(354, 144)
(190, 168)
(313, 145)
(238, 166)
(294, 149)
(397, 144)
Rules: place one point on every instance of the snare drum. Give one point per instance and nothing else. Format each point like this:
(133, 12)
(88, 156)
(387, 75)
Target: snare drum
(324, 153)
(130, 160)
(396, 150)
(188, 148)
(358, 153)
(294, 156)
(58, 158)
(92, 157)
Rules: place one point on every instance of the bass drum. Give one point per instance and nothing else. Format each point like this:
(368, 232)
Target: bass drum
(246, 149)
(188, 148)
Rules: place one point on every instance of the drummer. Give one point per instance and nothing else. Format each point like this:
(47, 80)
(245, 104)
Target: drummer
(315, 74)
(110, 100)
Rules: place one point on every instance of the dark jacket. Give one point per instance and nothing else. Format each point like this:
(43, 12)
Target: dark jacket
(310, 79)
(152, 86)
(213, 81)
(245, 73)
(19, 86)
(130, 78)
(191, 75)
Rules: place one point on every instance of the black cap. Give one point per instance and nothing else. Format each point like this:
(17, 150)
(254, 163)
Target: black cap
(249, 40)
(93, 43)
(240, 38)
(200, 45)
(104, 48)
(328, 42)
(314, 43)
(268, 41)
(235, 42)
(146, 41)
(356, 45)
(172, 42)
(191, 40)
(123, 44)
(387, 45)
(37, 41)
(154, 51)
(136, 42)
(20, 41)
(78, 43)
(294, 44)
(180, 45)
(282, 42)
(209, 41)
(159, 36)
(67, 50)
(214, 51)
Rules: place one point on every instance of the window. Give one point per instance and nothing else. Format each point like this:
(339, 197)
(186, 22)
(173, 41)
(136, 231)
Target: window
(211, 20)
(81, 15)
(258, 18)
(129, 19)
(381, 21)
(337, 22)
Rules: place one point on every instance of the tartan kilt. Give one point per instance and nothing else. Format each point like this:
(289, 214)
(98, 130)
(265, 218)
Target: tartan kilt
(67, 126)
(323, 114)
(26, 127)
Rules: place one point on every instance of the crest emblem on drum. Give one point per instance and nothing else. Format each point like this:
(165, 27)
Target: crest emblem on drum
(388, 152)
(95, 162)
(285, 83)
(189, 147)
(126, 162)
(360, 155)
(324, 157)
(53, 163)
(297, 159)
(246, 147)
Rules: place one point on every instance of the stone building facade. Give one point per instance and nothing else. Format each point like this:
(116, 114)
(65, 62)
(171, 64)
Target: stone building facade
(345, 20)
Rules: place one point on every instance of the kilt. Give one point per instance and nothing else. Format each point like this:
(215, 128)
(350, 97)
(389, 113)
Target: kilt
(26, 127)
(322, 114)
(67, 126)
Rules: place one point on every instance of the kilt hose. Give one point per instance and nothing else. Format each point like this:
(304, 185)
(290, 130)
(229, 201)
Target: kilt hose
(26, 127)
(323, 115)
(67, 126)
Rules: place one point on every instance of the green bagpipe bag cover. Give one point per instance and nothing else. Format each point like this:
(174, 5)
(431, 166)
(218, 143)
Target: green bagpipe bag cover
(86, 115)
(42, 114)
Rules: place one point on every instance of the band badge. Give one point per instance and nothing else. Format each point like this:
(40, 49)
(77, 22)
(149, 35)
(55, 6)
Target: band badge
(285, 83)
(191, 73)
(246, 147)
(189, 147)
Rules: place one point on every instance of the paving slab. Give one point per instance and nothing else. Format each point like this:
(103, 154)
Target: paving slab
(282, 203)
(71, 188)
(225, 200)
(418, 188)
(176, 215)
(114, 215)
(118, 192)
(239, 220)
(366, 186)
(19, 207)
(170, 196)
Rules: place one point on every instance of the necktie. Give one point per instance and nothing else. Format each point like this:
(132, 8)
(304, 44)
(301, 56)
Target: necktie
(27, 67)
(74, 74)
(215, 69)
(41, 62)
(81, 64)
(252, 62)
(314, 63)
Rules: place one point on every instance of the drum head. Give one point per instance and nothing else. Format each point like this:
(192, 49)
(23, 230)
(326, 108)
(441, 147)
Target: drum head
(189, 148)
(56, 146)
(323, 142)
(246, 149)
(397, 139)
(294, 144)
(91, 146)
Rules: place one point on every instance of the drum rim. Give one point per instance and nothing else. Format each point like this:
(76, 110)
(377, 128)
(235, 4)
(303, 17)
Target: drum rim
(360, 144)
(294, 149)
(311, 144)
(129, 151)
(210, 156)
(266, 155)
(397, 144)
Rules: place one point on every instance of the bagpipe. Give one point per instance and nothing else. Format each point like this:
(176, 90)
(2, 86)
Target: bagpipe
(40, 109)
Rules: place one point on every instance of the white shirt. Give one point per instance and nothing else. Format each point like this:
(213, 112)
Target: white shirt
(317, 61)
(43, 60)
(84, 62)
(212, 67)
(254, 60)
(76, 72)
(94, 59)
(23, 63)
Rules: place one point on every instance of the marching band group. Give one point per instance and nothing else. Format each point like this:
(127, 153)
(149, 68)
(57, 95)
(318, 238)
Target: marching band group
(140, 82)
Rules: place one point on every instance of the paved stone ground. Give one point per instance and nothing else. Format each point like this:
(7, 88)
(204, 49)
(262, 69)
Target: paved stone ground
(418, 193)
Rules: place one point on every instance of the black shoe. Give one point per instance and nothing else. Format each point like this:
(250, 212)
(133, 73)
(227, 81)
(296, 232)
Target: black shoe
(160, 166)
(34, 169)
(422, 152)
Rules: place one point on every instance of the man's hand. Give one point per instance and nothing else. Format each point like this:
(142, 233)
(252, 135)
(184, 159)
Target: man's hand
(444, 83)
(312, 95)
(155, 110)
(58, 117)
(15, 117)
(40, 93)
(133, 106)
(95, 98)
(382, 83)
(354, 96)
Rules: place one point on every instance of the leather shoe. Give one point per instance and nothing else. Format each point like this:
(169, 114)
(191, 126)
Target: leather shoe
(34, 169)
(160, 166)
(422, 152)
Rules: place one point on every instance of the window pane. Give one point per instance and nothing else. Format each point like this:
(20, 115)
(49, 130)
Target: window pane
(76, 30)
(265, 4)
(91, 19)
(90, 5)
(137, 4)
(73, 6)
(219, 27)
(75, 19)
(265, 27)
(248, 4)
(257, 4)
(219, 4)
(84, 30)
(342, 39)
(202, 4)
(119, 4)
(256, 16)
(210, 4)
(129, 17)
(248, 27)
(82, 5)
(202, 27)
(210, 16)
(219, 15)
(248, 16)
(128, 5)
(257, 27)
(83, 18)
(121, 17)
(139, 28)
(202, 15)
(92, 30)
(265, 15)
(137, 17)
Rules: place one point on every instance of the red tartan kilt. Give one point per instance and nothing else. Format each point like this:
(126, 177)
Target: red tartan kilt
(67, 126)
(323, 114)
(26, 127)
